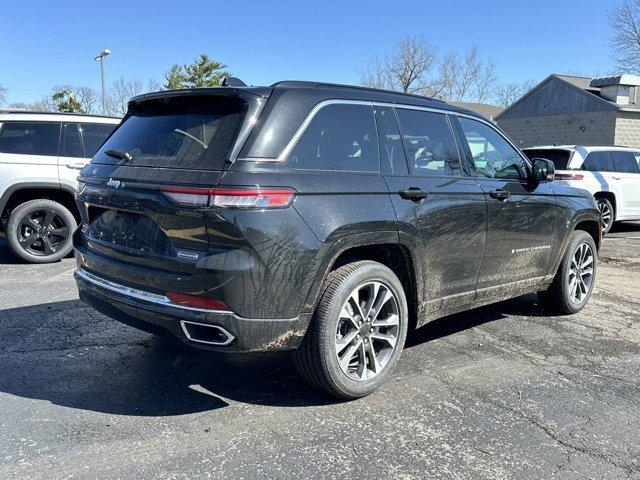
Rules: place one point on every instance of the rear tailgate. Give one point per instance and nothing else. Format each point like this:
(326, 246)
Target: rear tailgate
(143, 196)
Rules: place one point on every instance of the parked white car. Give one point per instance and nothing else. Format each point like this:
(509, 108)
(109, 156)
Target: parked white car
(611, 174)
(41, 155)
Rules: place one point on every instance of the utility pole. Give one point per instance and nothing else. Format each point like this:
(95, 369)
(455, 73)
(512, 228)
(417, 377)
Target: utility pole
(100, 58)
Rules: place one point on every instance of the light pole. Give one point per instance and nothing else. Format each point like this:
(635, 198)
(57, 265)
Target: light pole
(100, 58)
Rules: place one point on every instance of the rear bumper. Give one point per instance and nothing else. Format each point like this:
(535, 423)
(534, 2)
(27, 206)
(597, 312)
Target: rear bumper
(152, 313)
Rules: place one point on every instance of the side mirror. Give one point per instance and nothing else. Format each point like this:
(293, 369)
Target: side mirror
(543, 170)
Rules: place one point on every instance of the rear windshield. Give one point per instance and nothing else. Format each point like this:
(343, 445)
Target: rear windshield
(560, 158)
(194, 133)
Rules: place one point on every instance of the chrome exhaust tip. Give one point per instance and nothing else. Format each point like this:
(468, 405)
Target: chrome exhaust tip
(206, 333)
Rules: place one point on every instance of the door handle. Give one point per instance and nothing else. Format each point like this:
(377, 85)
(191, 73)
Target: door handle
(75, 166)
(413, 193)
(500, 194)
(617, 178)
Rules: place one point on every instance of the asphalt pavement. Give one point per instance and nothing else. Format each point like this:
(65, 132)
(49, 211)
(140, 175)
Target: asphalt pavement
(502, 392)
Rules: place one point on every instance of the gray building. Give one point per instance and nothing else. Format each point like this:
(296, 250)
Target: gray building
(565, 110)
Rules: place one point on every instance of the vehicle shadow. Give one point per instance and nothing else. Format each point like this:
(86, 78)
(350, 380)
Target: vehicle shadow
(625, 227)
(6, 257)
(68, 354)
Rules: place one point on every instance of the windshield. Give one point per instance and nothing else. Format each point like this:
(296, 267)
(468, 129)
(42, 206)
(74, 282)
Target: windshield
(559, 157)
(187, 133)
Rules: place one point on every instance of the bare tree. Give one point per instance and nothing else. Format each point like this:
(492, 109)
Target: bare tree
(121, 92)
(506, 95)
(625, 21)
(404, 69)
(3, 94)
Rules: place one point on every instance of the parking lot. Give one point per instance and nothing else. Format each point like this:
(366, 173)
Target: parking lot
(499, 392)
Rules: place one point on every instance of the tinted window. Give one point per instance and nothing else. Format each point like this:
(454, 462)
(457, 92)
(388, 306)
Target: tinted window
(72, 144)
(93, 136)
(391, 150)
(193, 132)
(429, 143)
(624, 162)
(493, 156)
(339, 137)
(560, 158)
(636, 155)
(30, 138)
(598, 162)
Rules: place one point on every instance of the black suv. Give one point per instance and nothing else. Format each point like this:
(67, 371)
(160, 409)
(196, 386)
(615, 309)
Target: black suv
(321, 218)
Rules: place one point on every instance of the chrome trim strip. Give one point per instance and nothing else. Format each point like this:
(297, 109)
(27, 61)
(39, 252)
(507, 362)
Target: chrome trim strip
(140, 294)
(230, 338)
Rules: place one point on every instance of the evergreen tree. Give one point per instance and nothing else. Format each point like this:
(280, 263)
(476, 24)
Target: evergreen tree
(203, 72)
(66, 101)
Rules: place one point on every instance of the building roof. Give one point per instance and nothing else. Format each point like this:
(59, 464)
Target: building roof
(489, 111)
(588, 85)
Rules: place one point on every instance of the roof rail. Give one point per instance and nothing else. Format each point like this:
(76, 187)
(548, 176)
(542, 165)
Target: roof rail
(353, 87)
(43, 112)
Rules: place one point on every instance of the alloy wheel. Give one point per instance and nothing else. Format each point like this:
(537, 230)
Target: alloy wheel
(580, 277)
(367, 331)
(606, 213)
(42, 232)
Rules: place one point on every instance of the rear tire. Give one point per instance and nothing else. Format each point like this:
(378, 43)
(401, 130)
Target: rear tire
(573, 284)
(357, 334)
(607, 212)
(40, 231)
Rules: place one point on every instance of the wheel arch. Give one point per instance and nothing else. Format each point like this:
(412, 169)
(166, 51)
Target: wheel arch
(23, 192)
(611, 196)
(382, 247)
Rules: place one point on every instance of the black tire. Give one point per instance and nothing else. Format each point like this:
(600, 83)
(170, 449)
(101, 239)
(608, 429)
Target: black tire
(52, 242)
(317, 358)
(607, 211)
(559, 297)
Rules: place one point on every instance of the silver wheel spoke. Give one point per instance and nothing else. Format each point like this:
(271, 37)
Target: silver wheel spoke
(364, 343)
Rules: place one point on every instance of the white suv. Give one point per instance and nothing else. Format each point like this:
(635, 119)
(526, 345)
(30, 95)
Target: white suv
(40, 157)
(611, 174)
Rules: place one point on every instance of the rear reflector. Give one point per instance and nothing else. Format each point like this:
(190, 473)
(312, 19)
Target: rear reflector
(569, 176)
(195, 301)
(231, 197)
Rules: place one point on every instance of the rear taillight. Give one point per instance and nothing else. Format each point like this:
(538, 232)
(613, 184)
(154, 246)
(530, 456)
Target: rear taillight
(248, 198)
(569, 176)
(231, 197)
(196, 302)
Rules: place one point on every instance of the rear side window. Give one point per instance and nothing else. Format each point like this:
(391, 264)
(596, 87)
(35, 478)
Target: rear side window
(196, 133)
(560, 158)
(339, 137)
(429, 143)
(598, 162)
(625, 162)
(30, 138)
(391, 149)
(72, 143)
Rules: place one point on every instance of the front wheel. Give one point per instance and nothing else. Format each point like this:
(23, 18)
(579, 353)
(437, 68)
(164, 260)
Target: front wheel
(575, 279)
(357, 335)
(39, 231)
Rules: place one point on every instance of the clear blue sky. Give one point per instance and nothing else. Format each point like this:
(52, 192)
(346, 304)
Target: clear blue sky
(47, 43)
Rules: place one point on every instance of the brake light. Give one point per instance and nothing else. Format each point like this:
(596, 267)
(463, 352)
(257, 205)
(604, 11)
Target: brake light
(195, 301)
(569, 176)
(248, 198)
(231, 198)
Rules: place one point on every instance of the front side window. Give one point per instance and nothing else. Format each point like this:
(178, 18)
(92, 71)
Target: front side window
(429, 143)
(493, 156)
(30, 138)
(339, 137)
(625, 162)
(598, 162)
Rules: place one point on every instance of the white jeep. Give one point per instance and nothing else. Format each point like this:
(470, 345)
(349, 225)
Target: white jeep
(41, 155)
(610, 174)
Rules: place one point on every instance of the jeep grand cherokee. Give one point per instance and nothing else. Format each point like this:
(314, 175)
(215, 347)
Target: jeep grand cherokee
(320, 218)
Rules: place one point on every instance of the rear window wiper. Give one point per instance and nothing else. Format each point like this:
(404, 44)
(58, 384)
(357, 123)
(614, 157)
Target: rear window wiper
(119, 154)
